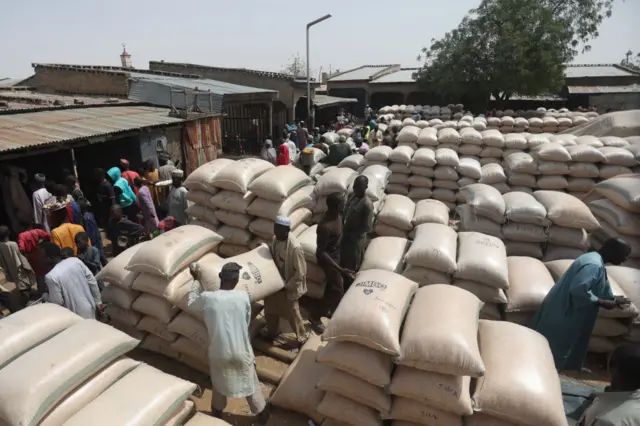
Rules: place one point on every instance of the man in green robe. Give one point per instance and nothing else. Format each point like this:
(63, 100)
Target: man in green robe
(337, 152)
(569, 311)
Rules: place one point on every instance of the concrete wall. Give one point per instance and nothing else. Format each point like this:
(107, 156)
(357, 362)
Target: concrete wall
(615, 101)
(87, 82)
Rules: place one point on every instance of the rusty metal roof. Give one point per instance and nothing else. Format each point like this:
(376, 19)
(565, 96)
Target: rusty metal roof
(33, 100)
(19, 131)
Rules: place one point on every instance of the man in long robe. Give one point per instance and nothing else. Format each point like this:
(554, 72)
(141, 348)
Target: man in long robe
(358, 221)
(147, 207)
(568, 313)
(177, 199)
(40, 197)
(15, 266)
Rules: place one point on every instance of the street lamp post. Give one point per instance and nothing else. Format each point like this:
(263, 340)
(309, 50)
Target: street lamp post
(309, 25)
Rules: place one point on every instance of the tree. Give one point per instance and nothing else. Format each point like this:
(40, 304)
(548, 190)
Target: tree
(297, 67)
(631, 60)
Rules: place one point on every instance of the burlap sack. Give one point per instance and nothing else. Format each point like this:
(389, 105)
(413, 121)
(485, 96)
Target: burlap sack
(420, 181)
(521, 383)
(227, 250)
(517, 248)
(239, 175)
(157, 328)
(623, 221)
(372, 311)
(570, 237)
(421, 414)
(159, 393)
(297, 389)
(237, 220)
(336, 407)
(422, 170)
(335, 180)
(485, 200)
(174, 250)
(552, 152)
(485, 293)
(524, 208)
(434, 247)
(525, 232)
(522, 162)
(25, 329)
(278, 183)
(628, 279)
(566, 210)
(358, 390)
(446, 173)
(552, 182)
(398, 212)
(205, 224)
(521, 179)
(116, 273)
(266, 209)
(401, 154)
(161, 287)
(492, 174)
(385, 253)
(359, 361)
(450, 393)
(430, 211)
(153, 343)
(575, 184)
(353, 162)
(201, 178)
(118, 295)
(424, 157)
(584, 170)
(154, 306)
(482, 258)
(232, 201)
(469, 222)
(259, 275)
(384, 230)
(585, 153)
(31, 387)
(618, 156)
(471, 136)
(529, 283)
(190, 348)
(190, 327)
(442, 337)
(424, 276)
(427, 137)
(624, 191)
(380, 153)
(203, 213)
(418, 194)
(127, 317)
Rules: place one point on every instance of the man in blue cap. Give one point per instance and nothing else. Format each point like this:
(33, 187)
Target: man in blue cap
(289, 258)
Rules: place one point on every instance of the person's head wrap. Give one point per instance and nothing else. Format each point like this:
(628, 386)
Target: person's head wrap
(40, 177)
(177, 173)
(284, 221)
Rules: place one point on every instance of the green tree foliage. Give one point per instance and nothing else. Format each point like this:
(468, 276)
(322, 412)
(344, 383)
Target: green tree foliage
(631, 60)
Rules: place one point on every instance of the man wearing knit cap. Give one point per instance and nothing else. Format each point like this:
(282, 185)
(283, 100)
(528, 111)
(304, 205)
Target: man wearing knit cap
(40, 197)
(177, 199)
(289, 258)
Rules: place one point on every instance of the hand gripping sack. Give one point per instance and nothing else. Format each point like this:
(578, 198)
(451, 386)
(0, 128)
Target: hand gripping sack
(372, 311)
(485, 200)
(566, 210)
(442, 337)
(239, 175)
(359, 361)
(521, 207)
(27, 328)
(116, 273)
(628, 279)
(415, 413)
(624, 191)
(174, 250)
(482, 258)
(397, 211)
(434, 247)
(335, 180)
(31, 387)
(347, 411)
(385, 253)
(529, 283)
(521, 384)
(201, 178)
(278, 183)
(145, 396)
(355, 389)
(430, 211)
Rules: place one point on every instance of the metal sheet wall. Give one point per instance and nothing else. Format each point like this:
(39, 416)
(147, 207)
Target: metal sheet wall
(202, 140)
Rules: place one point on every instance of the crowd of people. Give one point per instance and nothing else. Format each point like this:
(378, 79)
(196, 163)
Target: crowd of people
(63, 237)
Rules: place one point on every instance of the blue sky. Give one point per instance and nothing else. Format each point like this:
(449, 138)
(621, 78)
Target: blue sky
(256, 34)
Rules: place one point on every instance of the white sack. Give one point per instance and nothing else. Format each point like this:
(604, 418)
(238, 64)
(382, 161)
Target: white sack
(239, 175)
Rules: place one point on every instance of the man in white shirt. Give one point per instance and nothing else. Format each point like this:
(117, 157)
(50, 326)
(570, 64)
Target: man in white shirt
(40, 197)
(375, 137)
(177, 199)
(292, 148)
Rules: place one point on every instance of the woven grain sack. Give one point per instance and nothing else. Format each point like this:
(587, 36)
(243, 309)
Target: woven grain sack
(409, 133)
(379, 153)
(446, 173)
(236, 220)
(422, 171)
(239, 175)
(200, 198)
(353, 161)
(203, 213)
(335, 180)
(524, 232)
(31, 388)
(190, 327)
(385, 253)
(424, 157)
(522, 163)
(355, 389)
(205, 224)
(469, 167)
(190, 348)
(398, 189)
(227, 250)
(172, 251)
(201, 178)
(571, 237)
(493, 138)
(434, 247)
(628, 279)
(372, 311)
(116, 273)
(233, 201)
(278, 183)
(442, 337)
(180, 414)
(558, 252)
(401, 154)
(624, 191)
(492, 174)
(160, 346)
(307, 240)
(584, 170)
(529, 283)
(485, 200)
(448, 135)
(470, 136)
(535, 140)
(359, 361)
(553, 168)
(469, 222)
(399, 168)
(552, 182)
(449, 393)
(331, 137)
(397, 211)
(162, 287)
(482, 258)
(88, 391)
(144, 396)
(488, 153)
(614, 141)
(157, 328)
(609, 327)
(552, 151)
(589, 141)
(585, 153)
(479, 124)
(566, 210)
(399, 179)
(200, 419)
(610, 171)
(485, 293)
(575, 184)
(418, 194)
(384, 230)
(467, 149)
(118, 295)
(297, 389)
(618, 156)
(430, 211)
(521, 179)
(447, 157)
(25, 329)
(515, 141)
(336, 407)
(155, 306)
(424, 276)
(127, 317)
(427, 137)
(521, 384)
(420, 414)
(481, 419)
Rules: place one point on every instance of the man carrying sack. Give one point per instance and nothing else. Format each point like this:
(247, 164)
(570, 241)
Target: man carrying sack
(289, 258)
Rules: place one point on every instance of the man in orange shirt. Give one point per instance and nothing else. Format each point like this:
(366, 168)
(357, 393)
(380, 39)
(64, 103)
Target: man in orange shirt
(63, 233)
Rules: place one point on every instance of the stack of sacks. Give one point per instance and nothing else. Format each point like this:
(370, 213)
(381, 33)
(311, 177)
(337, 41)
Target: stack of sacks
(439, 356)
(395, 218)
(521, 125)
(430, 211)
(332, 137)
(400, 171)
(483, 270)
(529, 283)
(619, 212)
(535, 125)
(629, 280)
(337, 180)
(570, 221)
(583, 169)
(367, 323)
(507, 124)
(610, 324)
(421, 179)
(511, 351)
(386, 253)
(521, 170)
(470, 171)
(162, 263)
(617, 161)
(353, 162)
(494, 143)
(493, 174)
(431, 259)
(378, 177)
(315, 275)
(273, 188)
(233, 201)
(201, 189)
(445, 183)
(526, 222)
(479, 123)
(408, 136)
(484, 210)
(471, 142)
(549, 124)
(449, 137)
(378, 155)
(553, 165)
(493, 123)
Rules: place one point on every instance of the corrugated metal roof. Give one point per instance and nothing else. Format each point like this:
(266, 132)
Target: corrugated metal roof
(269, 74)
(594, 90)
(31, 100)
(364, 72)
(405, 75)
(322, 101)
(597, 70)
(31, 129)
(540, 97)
(4, 82)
